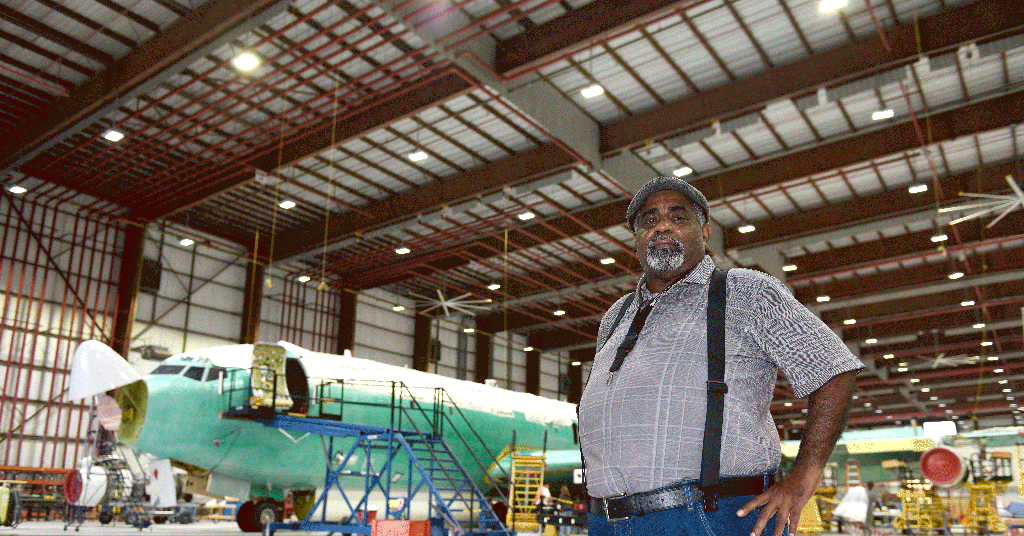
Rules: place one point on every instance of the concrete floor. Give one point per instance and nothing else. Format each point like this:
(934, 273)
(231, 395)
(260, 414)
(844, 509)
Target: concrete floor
(93, 528)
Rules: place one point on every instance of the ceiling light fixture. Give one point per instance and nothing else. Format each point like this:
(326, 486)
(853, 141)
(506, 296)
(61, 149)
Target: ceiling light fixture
(746, 229)
(113, 135)
(576, 363)
(418, 156)
(986, 343)
(956, 275)
(979, 325)
(998, 371)
(823, 299)
(683, 171)
(903, 369)
(789, 268)
(871, 341)
(468, 330)
(286, 204)
(398, 308)
(850, 321)
(592, 91)
(559, 312)
(966, 303)
(17, 190)
(526, 216)
(246, 61)
(831, 6)
(788, 404)
(993, 358)
(926, 389)
(528, 349)
(303, 279)
(402, 250)
(888, 356)
(915, 380)
(882, 114)
(186, 242)
(1007, 390)
(607, 260)
(918, 188)
(940, 238)
(494, 286)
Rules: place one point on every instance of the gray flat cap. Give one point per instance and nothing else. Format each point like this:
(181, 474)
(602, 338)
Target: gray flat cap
(665, 183)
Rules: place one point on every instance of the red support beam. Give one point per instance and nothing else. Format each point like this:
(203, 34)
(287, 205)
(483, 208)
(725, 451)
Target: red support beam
(483, 361)
(982, 116)
(877, 207)
(976, 22)
(578, 28)
(178, 42)
(517, 169)
(347, 322)
(128, 288)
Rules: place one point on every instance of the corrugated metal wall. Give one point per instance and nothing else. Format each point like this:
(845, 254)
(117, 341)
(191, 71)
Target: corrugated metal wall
(59, 275)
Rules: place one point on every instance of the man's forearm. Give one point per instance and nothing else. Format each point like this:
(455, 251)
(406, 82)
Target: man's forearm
(827, 410)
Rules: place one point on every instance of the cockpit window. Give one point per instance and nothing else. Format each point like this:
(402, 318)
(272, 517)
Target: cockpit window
(168, 369)
(195, 373)
(215, 373)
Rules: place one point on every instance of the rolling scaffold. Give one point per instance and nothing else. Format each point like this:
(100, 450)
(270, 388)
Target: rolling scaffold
(415, 430)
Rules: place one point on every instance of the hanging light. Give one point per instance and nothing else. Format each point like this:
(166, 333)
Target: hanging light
(186, 242)
(402, 250)
(286, 204)
(17, 190)
(418, 156)
(494, 286)
(592, 91)
(246, 61)
(683, 171)
(303, 278)
(113, 135)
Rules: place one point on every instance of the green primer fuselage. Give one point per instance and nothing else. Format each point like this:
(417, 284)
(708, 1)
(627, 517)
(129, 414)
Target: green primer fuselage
(184, 423)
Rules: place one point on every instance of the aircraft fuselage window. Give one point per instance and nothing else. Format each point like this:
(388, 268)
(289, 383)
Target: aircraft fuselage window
(215, 373)
(168, 369)
(195, 373)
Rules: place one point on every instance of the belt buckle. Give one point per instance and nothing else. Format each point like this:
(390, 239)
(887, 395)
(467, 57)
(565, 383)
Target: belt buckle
(608, 510)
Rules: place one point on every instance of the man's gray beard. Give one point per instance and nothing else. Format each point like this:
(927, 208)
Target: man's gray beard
(668, 259)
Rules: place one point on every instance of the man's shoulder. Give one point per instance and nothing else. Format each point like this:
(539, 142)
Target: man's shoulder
(749, 280)
(614, 309)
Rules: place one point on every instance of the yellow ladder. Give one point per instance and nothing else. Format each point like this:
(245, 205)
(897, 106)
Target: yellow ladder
(526, 478)
(852, 473)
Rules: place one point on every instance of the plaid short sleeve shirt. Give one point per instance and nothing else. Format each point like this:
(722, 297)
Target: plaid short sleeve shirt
(645, 429)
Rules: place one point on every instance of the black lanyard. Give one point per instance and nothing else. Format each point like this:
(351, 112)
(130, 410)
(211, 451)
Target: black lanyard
(630, 341)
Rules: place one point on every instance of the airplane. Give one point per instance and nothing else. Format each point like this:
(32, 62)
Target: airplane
(182, 411)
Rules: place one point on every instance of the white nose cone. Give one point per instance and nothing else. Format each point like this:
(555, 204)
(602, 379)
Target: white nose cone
(96, 368)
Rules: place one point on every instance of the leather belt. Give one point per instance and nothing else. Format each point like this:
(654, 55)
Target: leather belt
(625, 506)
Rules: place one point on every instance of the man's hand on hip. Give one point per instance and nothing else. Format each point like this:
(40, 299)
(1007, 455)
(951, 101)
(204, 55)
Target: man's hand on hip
(785, 500)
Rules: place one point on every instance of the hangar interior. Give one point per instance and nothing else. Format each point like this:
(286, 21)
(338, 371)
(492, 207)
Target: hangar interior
(442, 185)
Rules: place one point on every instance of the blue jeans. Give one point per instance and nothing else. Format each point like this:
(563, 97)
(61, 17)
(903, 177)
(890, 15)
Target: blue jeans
(688, 520)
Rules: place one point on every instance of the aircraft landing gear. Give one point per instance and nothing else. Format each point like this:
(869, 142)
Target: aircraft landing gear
(253, 516)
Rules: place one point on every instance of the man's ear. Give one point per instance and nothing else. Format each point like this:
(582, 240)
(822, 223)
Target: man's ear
(706, 233)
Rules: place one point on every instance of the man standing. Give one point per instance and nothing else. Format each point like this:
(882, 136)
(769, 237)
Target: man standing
(642, 414)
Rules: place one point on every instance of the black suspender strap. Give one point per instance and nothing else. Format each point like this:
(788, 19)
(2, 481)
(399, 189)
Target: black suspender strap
(711, 457)
(618, 318)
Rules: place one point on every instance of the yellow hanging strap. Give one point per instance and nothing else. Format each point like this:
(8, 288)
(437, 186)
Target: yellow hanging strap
(327, 206)
(277, 191)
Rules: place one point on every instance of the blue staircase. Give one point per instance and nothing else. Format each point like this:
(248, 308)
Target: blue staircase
(433, 468)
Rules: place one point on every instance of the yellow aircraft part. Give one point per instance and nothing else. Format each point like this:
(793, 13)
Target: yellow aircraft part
(810, 518)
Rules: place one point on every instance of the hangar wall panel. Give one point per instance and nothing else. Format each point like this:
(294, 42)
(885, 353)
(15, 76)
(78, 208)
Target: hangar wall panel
(299, 313)
(383, 334)
(58, 269)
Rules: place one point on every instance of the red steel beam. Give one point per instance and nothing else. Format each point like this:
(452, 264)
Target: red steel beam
(185, 36)
(517, 169)
(578, 29)
(128, 288)
(982, 116)
(876, 207)
(976, 22)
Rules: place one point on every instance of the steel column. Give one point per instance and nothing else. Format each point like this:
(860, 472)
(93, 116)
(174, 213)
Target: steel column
(128, 287)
